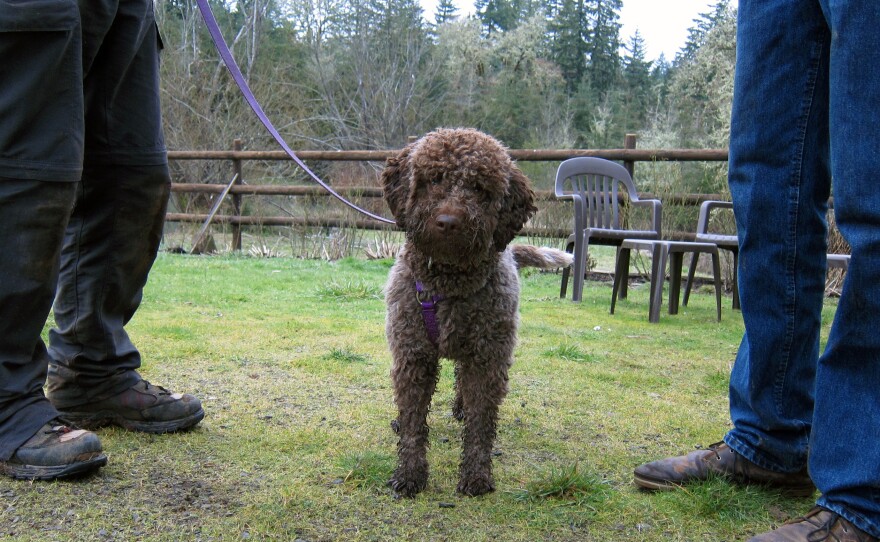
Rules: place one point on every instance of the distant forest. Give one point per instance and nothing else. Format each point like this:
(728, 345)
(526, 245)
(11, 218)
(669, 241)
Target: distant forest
(369, 74)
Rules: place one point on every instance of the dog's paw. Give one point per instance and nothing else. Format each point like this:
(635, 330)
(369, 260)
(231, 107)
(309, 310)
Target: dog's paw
(404, 486)
(395, 426)
(473, 486)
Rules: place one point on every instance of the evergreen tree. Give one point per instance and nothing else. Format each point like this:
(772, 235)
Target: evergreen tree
(569, 41)
(504, 15)
(551, 8)
(604, 43)
(637, 79)
(702, 26)
(661, 77)
(446, 11)
(497, 15)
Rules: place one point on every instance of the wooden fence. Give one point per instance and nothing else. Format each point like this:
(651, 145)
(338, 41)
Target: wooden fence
(236, 189)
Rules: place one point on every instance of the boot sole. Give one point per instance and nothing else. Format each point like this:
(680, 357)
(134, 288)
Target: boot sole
(95, 420)
(665, 485)
(52, 472)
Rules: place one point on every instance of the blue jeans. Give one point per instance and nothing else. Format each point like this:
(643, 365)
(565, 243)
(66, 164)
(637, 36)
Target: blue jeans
(806, 110)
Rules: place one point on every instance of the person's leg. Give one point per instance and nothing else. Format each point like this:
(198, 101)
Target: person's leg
(110, 245)
(779, 181)
(115, 230)
(32, 219)
(40, 158)
(844, 455)
(114, 234)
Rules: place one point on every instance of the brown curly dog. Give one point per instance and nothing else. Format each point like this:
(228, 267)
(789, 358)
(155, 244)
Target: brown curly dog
(454, 292)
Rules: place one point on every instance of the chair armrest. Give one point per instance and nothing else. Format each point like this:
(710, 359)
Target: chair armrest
(706, 210)
(580, 210)
(656, 213)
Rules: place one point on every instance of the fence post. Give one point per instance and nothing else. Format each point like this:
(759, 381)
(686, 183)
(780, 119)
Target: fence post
(236, 198)
(629, 142)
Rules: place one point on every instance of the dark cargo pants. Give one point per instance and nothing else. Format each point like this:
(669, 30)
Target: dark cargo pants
(83, 188)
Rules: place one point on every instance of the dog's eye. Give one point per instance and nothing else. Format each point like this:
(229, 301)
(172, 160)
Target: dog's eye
(479, 190)
(436, 180)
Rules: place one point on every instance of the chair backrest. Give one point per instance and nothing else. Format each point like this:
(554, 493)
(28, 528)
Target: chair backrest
(598, 183)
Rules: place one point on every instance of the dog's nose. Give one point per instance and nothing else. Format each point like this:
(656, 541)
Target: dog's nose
(447, 223)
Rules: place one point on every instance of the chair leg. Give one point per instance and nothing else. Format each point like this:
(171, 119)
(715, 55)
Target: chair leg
(692, 269)
(626, 255)
(676, 262)
(624, 286)
(658, 276)
(581, 256)
(621, 272)
(563, 288)
(716, 274)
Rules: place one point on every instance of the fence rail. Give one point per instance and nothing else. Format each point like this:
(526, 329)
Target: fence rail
(526, 155)
(628, 155)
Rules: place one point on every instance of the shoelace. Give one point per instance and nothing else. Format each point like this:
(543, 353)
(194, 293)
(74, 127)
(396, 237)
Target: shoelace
(714, 448)
(823, 530)
(61, 426)
(162, 391)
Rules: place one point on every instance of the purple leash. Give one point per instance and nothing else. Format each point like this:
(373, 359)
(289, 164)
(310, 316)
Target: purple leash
(234, 70)
(429, 313)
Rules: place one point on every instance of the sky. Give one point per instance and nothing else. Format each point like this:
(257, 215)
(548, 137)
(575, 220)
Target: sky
(663, 23)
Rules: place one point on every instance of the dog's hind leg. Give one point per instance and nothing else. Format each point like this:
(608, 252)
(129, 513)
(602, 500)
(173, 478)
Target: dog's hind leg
(414, 379)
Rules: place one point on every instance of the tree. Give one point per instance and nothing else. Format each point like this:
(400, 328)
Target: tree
(375, 73)
(446, 11)
(698, 33)
(637, 82)
(525, 91)
(661, 76)
(604, 45)
(702, 93)
(569, 41)
(499, 16)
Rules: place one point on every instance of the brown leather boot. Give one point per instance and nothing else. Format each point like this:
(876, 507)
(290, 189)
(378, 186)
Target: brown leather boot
(57, 450)
(143, 407)
(819, 525)
(718, 460)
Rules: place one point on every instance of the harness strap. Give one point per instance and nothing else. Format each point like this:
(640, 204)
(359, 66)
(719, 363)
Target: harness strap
(429, 312)
(234, 70)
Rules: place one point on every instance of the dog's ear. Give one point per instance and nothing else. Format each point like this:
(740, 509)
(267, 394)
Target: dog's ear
(396, 184)
(517, 207)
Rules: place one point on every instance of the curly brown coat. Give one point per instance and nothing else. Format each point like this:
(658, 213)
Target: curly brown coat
(460, 199)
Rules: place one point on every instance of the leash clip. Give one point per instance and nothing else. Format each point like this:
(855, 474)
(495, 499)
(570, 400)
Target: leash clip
(428, 303)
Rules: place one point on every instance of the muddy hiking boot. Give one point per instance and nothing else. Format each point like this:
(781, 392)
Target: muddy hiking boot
(57, 450)
(718, 460)
(819, 525)
(142, 407)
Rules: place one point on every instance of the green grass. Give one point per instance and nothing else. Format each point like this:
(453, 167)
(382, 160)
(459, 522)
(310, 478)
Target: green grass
(289, 359)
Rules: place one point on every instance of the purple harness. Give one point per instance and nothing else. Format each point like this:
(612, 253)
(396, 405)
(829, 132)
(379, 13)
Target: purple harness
(429, 312)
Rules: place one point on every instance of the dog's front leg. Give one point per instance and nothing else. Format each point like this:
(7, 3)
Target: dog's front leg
(414, 377)
(457, 405)
(482, 388)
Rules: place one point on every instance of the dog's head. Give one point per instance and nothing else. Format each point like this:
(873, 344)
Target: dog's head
(457, 194)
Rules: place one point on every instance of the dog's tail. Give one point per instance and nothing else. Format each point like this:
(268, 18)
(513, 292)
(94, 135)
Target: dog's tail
(540, 257)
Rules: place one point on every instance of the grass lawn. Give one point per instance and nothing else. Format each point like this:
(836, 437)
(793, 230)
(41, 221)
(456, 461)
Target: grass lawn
(289, 359)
